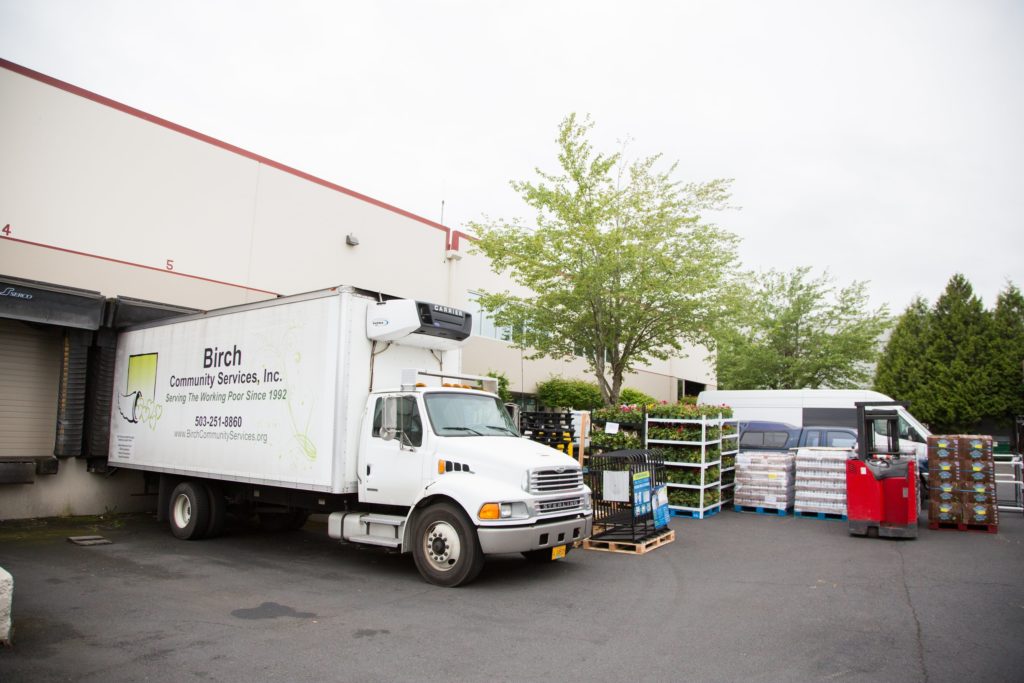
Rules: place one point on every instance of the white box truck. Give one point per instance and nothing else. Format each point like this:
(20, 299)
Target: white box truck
(347, 403)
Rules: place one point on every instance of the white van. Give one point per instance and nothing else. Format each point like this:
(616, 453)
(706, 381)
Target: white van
(815, 408)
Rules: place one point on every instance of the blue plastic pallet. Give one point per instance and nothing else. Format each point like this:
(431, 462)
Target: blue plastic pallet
(695, 514)
(761, 510)
(835, 516)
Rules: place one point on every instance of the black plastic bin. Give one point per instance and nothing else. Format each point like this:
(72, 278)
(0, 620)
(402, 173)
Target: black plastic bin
(625, 520)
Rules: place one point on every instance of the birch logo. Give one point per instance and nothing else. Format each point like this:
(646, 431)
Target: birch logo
(136, 403)
(15, 294)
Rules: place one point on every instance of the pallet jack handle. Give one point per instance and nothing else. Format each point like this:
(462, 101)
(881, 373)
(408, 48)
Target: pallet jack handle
(866, 416)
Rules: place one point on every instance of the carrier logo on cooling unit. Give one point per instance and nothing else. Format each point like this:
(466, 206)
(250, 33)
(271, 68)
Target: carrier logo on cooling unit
(450, 311)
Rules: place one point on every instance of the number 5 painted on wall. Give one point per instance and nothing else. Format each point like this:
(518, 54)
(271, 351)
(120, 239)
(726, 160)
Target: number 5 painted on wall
(170, 264)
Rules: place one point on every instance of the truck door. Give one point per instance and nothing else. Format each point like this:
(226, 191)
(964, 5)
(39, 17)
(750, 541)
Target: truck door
(391, 470)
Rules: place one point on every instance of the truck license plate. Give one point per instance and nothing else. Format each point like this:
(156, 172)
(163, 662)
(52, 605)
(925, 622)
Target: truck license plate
(558, 552)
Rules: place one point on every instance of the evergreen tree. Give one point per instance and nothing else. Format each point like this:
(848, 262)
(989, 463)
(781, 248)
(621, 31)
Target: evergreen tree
(1007, 356)
(902, 368)
(958, 374)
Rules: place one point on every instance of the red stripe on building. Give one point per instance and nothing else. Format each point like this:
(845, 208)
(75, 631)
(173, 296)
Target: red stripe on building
(132, 111)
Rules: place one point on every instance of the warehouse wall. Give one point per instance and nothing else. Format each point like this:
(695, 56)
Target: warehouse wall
(100, 196)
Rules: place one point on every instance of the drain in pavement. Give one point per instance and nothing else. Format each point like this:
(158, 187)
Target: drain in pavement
(88, 540)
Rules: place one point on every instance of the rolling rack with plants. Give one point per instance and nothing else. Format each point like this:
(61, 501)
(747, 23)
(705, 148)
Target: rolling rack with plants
(616, 429)
(730, 448)
(697, 442)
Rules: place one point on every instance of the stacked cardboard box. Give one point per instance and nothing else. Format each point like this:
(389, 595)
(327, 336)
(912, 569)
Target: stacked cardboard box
(821, 480)
(961, 480)
(765, 479)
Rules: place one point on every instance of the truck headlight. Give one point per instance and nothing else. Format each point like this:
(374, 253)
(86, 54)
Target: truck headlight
(516, 510)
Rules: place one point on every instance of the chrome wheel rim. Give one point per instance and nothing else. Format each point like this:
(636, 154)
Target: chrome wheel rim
(182, 511)
(442, 546)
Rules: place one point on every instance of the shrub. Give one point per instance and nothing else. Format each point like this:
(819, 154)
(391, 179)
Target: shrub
(634, 397)
(577, 394)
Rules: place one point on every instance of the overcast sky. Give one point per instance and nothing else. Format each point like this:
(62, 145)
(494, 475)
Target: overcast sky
(881, 140)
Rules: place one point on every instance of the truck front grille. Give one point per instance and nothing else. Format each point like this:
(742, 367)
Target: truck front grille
(548, 507)
(553, 480)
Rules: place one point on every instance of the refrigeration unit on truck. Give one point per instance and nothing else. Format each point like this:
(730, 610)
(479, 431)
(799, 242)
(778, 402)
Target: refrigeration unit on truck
(347, 403)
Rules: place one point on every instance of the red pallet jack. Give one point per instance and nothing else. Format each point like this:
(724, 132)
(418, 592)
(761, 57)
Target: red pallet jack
(881, 482)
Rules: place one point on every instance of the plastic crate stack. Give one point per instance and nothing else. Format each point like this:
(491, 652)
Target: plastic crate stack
(552, 428)
(764, 481)
(962, 483)
(821, 481)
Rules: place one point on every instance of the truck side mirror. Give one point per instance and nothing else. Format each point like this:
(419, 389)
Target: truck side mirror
(389, 419)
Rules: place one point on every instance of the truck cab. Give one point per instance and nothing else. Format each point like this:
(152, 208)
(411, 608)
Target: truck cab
(443, 473)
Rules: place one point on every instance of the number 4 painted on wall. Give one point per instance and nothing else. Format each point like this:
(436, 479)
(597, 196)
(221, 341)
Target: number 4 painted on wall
(6, 230)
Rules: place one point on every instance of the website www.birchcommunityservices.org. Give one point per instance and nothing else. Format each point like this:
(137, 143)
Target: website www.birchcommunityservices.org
(226, 435)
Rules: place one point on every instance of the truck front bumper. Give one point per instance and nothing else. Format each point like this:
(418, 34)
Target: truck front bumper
(519, 539)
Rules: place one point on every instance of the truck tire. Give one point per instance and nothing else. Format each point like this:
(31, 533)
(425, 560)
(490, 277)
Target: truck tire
(189, 511)
(445, 546)
(218, 511)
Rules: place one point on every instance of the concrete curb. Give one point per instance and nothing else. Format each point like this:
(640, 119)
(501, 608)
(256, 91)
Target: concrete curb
(6, 596)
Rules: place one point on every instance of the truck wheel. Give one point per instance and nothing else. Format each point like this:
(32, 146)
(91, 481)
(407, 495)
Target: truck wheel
(218, 511)
(543, 556)
(445, 546)
(190, 510)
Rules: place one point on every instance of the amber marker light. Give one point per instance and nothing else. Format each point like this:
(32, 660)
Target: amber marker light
(489, 511)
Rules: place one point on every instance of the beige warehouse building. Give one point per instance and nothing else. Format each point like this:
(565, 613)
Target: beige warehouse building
(110, 216)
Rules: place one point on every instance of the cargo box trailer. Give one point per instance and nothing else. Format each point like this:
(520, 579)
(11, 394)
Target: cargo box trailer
(347, 403)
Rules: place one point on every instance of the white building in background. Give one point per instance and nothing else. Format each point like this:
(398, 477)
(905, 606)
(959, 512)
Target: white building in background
(109, 216)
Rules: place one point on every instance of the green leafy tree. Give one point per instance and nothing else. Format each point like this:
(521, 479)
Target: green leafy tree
(791, 331)
(1007, 354)
(620, 268)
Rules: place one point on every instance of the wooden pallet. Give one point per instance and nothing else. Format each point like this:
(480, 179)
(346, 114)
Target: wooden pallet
(630, 548)
(960, 526)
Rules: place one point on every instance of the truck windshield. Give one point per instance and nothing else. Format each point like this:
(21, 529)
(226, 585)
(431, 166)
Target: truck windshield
(454, 414)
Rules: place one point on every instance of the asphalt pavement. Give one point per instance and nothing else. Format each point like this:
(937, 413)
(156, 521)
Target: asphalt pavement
(736, 597)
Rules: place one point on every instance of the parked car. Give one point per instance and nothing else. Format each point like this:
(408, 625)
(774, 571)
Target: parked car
(761, 435)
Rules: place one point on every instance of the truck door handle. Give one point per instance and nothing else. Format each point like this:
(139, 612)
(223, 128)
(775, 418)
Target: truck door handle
(367, 470)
